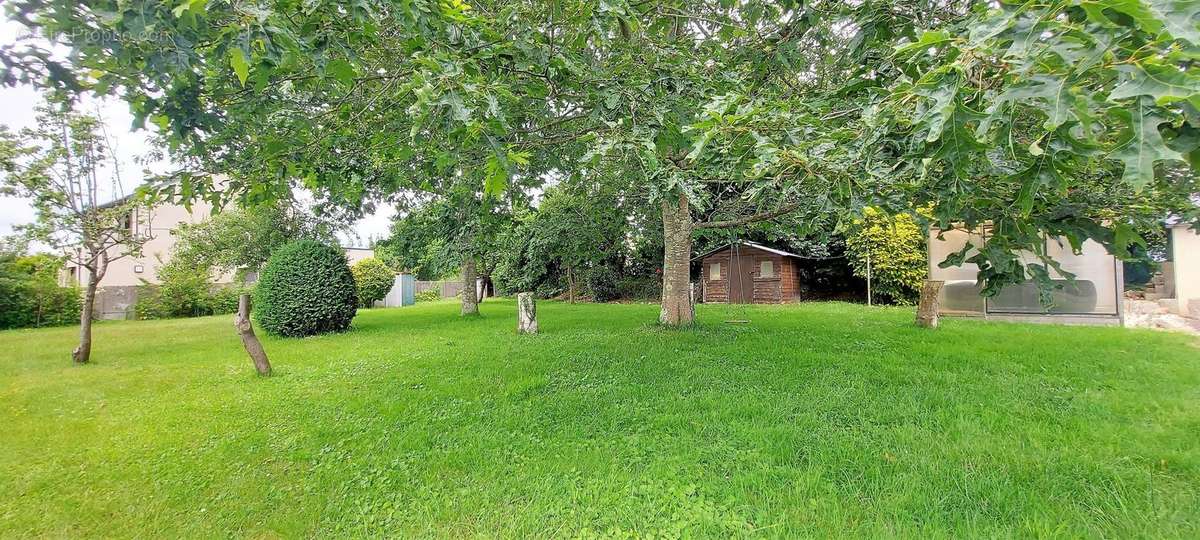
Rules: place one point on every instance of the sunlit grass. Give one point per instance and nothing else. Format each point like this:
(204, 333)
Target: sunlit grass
(818, 420)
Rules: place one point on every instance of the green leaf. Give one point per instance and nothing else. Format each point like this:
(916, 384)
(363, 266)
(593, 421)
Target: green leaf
(928, 39)
(1096, 11)
(940, 91)
(495, 179)
(1124, 236)
(341, 70)
(237, 59)
(1142, 144)
(1179, 16)
(1165, 83)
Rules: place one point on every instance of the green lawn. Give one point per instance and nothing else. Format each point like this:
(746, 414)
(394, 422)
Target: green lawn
(818, 419)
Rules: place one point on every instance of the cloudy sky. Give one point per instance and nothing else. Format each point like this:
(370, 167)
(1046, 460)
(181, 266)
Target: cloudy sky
(16, 111)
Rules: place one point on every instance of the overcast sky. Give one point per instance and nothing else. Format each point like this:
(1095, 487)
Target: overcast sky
(16, 111)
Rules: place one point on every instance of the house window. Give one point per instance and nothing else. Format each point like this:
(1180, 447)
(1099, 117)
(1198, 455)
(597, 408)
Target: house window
(766, 269)
(138, 269)
(714, 272)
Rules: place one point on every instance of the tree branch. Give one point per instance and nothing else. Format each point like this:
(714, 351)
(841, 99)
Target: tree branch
(762, 216)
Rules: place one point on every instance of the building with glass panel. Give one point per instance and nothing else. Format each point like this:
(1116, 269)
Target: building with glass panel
(1093, 297)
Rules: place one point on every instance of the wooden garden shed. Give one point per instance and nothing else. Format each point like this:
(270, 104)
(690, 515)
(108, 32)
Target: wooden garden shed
(748, 273)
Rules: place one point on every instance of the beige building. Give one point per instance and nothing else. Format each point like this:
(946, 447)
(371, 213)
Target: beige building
(117, 295)
(1180, 278)
(1094, 296)
(157, 223)
(355, 254)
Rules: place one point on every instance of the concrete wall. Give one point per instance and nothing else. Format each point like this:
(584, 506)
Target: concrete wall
(1095, 293)
(1185, 256)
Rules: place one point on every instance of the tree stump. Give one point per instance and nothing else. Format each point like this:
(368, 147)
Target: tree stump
(250, 341)
(927, 309)
(526, 314)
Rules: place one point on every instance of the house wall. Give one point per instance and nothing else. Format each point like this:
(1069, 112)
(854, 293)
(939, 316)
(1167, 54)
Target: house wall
(715, 291)
(1185, 256)
(784, 287)
(354, 254)
(158, 223)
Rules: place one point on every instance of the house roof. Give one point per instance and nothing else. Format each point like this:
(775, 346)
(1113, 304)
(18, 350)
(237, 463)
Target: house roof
(754, 245)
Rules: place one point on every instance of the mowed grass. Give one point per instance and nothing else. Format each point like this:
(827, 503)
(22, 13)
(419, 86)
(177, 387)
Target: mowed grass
(811, 420)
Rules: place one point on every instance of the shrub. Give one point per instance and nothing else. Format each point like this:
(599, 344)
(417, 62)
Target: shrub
(602, 284)
(373, 278)
(185, 291)
(647, 288)
(181, 292)
(305, 289)
(429, 295)
(899, 260)
(224, 300)
(30, 295)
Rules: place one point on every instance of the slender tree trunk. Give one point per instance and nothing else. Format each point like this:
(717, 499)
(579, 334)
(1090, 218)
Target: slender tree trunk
(250, 341)
(677, 308)
(470, 303)
(927, 308)
(83, 353)
(485, 288)
(571, 284)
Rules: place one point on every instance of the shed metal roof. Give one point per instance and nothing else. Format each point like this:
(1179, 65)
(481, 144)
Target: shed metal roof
(754, 245)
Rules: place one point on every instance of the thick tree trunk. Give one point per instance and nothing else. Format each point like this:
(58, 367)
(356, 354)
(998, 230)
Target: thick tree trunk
(677, 308)
(470, 303)
(83, 353)
(526, 314)
(250, 341)
(927, 309)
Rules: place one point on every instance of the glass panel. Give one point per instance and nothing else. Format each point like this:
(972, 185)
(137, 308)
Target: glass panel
(1095, 288)
(1093, 293)
(960, 294)
(714, 272)
(766, 269)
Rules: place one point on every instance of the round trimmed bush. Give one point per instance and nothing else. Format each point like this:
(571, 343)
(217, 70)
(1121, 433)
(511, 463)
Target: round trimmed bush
(374, 280)
(305, 289)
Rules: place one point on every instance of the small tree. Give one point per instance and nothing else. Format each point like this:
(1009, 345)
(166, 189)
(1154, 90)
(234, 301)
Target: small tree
(892, 249)
(59, 165)
(374, 279)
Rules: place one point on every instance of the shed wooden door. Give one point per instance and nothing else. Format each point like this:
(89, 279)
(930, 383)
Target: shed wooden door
(741, 279)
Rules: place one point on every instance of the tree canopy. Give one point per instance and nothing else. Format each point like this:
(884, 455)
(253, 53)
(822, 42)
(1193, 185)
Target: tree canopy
(1073, 118)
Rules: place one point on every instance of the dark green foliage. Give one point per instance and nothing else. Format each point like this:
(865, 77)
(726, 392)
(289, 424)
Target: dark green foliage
(30, 295)
(576, 230)
(305, 289)
(181, 292)
(644, 288)
(602, 284)
(373, 279)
